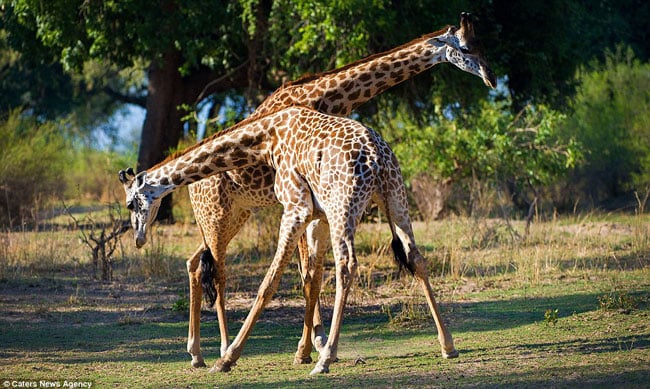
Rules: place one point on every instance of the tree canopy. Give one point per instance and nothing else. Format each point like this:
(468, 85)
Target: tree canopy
(169, 55)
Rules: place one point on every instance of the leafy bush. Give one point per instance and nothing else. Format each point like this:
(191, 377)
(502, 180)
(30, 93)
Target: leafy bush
(92, 174)
(31, 166)
(492, 146)
(611, 119)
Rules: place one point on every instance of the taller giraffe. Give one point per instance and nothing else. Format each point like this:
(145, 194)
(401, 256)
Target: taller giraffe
(327, 169)
(223, 202)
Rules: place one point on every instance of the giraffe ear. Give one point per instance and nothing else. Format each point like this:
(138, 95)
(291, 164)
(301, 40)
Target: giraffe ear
(442, 40)
(122, 175)
(126, 175)
(141, 180)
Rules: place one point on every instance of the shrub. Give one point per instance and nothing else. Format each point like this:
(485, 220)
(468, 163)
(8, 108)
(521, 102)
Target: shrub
(521, 151)
(611, 119)
(92, 174)
(31, 166)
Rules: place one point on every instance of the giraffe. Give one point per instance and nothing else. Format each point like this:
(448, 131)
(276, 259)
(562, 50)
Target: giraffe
(327, 169)
(223, 202)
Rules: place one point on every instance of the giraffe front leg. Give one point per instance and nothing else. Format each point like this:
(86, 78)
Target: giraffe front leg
(194, 327)
(303, 354)
(219, 227)
(220, 305)
(319, 337)
(318, 235)
(346, 268)
(292, 226)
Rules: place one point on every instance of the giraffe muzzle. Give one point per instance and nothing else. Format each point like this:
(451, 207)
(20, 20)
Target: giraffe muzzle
(140, 239)
(489, 78)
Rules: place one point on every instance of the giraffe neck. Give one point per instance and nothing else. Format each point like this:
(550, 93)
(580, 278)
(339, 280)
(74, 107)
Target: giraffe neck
(242, 145)
(340, 91)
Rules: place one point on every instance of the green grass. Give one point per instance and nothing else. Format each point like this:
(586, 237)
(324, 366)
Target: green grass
(57, 324)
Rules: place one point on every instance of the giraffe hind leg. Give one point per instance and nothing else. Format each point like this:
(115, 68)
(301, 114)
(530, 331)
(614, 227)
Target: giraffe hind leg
(194, 326)
(408, 256)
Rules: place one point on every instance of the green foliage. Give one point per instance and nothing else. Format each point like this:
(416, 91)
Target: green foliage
(611, 119)
(489, 145)
(316, 27)
(31, 165)
(550, 317)
(539, 44)
(92, 174)
(39, 85)
(123, 31)
(181, 305)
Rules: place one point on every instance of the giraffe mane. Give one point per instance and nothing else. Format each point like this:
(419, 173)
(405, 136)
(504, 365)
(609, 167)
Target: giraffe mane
(313, 76)
(225, 131)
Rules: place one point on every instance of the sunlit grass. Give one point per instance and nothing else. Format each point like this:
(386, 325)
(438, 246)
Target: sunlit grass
(495, 290)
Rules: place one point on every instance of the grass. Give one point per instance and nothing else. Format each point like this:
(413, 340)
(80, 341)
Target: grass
(568, 306)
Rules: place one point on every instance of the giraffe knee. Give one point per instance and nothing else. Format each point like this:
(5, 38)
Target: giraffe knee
(419, 265)
(353, 266)
(347, 272)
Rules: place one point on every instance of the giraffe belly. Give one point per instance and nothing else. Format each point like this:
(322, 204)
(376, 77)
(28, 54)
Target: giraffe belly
(253, 186)
(250, 187)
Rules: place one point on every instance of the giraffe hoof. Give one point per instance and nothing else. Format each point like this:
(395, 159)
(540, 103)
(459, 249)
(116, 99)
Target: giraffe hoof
(320, 369)
(302, 360)
(198, 362)
(221, 366)
(450, 354)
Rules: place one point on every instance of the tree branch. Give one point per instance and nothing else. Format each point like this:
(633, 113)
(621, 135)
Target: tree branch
(140, 101)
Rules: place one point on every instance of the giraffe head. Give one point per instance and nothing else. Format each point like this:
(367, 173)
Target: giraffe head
(463, 50)
(142, 201)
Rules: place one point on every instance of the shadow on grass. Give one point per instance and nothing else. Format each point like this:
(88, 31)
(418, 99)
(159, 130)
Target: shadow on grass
(74, 337)
(570, 377)
(165, 341)
(65, 340)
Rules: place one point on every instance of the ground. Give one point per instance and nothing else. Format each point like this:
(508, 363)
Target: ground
(567, 307)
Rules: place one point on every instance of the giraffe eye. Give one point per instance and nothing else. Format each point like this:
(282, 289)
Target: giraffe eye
(129, 205)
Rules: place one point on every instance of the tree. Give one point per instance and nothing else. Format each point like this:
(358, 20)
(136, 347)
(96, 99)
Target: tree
(241, 50)
(190, 49)
(539, 44)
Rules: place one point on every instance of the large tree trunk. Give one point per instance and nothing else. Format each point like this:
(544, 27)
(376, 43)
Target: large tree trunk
(162, 127)
(430, 195)
(168, 90)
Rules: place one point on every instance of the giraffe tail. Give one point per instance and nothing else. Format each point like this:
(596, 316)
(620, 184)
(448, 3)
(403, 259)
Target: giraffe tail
(400, 255)
(399, 251)
(207, 277)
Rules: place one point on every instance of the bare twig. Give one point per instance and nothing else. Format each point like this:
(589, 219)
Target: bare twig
(102, 241)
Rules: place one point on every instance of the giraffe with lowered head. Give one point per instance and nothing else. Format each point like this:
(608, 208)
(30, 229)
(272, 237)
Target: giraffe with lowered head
(224, 201)
(327, 170)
